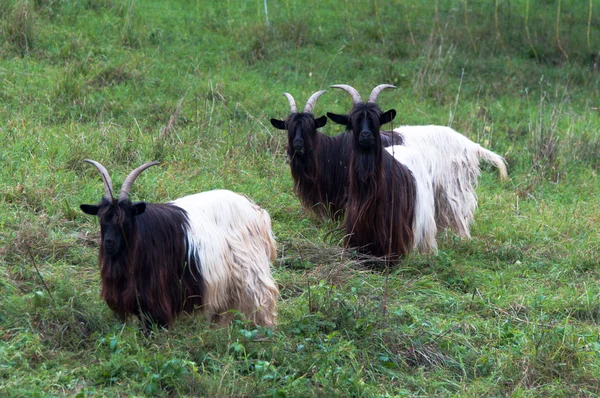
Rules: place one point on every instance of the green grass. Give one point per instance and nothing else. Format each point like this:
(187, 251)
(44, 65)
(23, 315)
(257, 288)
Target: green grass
(513, 311)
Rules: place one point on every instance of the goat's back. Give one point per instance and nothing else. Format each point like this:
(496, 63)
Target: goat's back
(448, 145)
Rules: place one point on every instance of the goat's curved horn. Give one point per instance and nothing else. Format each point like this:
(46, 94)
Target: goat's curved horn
(108, 190)
(293, 107)
(312, 100)
(351, 90)
(124, 193)
(377, 90)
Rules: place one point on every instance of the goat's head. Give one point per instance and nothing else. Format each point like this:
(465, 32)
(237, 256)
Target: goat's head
(301, 127)
(364, 119)
(116, 216)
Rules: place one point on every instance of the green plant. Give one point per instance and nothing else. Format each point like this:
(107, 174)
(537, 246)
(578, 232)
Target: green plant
(19, 26)
(512, 311)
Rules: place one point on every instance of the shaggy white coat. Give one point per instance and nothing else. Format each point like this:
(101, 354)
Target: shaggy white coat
(232, 241)
(453, 163)
(424, 225)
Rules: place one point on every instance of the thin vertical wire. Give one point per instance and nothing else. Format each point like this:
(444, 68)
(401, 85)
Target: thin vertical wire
(266, 14)
(389, 256)
(557, 32)
(348, 22)
(527, 31)
(468, 28)
(498, 34)
(589, 27)
(379, 21)
(435, 20)
(407, 20)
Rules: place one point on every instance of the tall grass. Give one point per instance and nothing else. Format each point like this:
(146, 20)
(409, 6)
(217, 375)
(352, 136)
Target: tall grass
(513, 311)
(19, 25)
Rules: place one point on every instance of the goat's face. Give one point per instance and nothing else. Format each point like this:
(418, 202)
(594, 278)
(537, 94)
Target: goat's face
(365, 121)
(302, 132)
(116, 223)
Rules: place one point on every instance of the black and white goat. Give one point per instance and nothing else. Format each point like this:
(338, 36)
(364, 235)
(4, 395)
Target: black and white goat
(453, 163)
(210, 251)
(319, 163)
(390, 207)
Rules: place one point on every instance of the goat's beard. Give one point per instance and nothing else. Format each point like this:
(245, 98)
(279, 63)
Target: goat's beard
(366, 165)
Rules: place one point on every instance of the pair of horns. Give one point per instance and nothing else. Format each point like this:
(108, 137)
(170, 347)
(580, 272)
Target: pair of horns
(356, 96)
(351, 90)
(309, 104)
(108, 189)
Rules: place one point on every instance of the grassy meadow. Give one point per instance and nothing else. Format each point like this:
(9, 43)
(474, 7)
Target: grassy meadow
(513, 311)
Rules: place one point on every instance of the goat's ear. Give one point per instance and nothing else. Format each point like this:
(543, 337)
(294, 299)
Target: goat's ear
(278, 124)
(139, 208)
(339, 119)
(90, 209)
(387, 117)
(321, 121)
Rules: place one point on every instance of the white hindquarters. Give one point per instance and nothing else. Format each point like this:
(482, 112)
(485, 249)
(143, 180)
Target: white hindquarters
(453, 163)
(232, 241)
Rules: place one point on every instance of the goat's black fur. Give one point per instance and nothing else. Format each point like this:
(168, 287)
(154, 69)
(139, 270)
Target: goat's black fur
(144, 263)
(382, 191)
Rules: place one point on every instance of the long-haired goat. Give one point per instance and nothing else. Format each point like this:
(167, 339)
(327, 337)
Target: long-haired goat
(390, 207)
(453, 163)
(210, 251)
(319, 163)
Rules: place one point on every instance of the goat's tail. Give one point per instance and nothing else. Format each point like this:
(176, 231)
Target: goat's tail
(494, 159)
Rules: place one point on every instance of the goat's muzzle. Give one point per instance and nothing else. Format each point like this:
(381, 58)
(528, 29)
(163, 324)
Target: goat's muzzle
(366, 139)
(110, 247)
(298, 146)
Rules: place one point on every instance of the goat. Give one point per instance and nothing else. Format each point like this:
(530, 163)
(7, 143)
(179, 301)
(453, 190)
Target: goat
(211, 251)
(319, 163)
(453, 162)
(390, 208)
